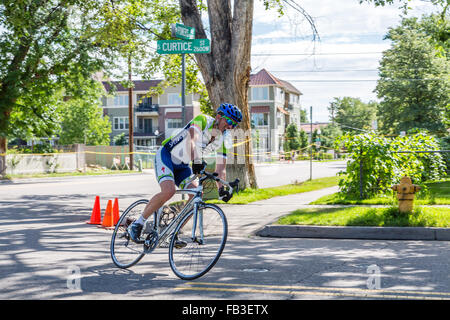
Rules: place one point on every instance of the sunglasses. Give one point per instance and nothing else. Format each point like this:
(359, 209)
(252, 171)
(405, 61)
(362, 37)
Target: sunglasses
(230, 121)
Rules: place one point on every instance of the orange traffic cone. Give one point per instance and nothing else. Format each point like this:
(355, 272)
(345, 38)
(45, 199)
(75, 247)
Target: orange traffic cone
(96, 216)
(108, 218)
(116, 214)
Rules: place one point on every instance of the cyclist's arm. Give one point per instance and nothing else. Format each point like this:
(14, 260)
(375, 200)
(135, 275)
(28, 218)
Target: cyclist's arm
(195, 145)
(221, 165)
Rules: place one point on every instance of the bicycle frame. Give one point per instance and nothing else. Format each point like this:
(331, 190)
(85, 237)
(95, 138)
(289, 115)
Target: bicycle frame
(191, 204)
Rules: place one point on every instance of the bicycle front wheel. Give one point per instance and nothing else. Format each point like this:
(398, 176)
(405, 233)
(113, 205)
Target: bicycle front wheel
(124, 252)
(191, 256)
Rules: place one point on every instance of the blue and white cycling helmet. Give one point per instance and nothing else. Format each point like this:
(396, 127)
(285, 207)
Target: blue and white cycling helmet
(231, 111)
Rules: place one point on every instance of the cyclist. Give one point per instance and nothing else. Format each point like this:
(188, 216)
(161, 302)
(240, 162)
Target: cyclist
(201, 136)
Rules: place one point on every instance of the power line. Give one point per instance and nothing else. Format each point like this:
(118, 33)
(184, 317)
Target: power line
(311, 54)
(348, 70)
(361, 80)
(311, 71)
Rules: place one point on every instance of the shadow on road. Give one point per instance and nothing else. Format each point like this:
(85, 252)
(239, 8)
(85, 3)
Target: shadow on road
(42, 237)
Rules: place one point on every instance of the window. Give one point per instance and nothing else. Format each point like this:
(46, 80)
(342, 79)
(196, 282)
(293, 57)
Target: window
(145, 125)
(174, 99)
(279, 94)
(143, 99)
(293, 98)
(279, 119)
(260, 119)
(260, 93)
(120, 123)
(121, 100)
(174, 123)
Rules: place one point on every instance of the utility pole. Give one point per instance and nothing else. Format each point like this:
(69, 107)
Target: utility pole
(130, 115)
(183, 89)
(310, 144)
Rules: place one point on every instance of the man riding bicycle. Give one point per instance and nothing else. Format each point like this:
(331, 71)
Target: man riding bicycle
(201, 136)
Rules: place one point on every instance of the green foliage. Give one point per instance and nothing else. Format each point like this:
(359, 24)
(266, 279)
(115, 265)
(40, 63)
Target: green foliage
(329, 135)
(292, 138)
(351, 114)
(44, 46)
(120, 139)
(445, 145)
(82, 119)
(414, 86)
(375, 165)
(303, 139)
(40, 148)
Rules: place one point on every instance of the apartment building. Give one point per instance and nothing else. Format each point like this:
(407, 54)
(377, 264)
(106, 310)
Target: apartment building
(274, 104)
(154, 118)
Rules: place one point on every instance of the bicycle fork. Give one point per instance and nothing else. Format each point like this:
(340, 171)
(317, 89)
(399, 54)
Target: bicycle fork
(198, 219)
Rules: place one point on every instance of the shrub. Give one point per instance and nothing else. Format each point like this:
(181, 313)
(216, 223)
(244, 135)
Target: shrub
(375, 163)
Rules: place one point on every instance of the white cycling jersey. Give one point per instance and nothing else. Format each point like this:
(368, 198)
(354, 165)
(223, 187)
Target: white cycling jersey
(178, 144)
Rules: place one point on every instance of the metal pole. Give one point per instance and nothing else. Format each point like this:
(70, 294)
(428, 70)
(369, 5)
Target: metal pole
(183, 96)
(183, 89)
(310, 142)
(130, 115)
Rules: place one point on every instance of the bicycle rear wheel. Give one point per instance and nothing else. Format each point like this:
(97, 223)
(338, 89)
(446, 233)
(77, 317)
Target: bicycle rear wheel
(203, 251)
(124, 252)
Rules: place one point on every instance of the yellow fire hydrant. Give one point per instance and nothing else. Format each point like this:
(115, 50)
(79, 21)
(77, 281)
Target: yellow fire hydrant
(405, 194)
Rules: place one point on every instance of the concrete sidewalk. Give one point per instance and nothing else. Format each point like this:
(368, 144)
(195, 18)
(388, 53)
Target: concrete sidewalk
(258, 218)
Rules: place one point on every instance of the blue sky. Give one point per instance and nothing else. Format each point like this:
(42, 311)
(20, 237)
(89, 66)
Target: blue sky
(350, 48)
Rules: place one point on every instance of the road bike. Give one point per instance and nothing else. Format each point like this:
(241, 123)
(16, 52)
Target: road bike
(201, 227)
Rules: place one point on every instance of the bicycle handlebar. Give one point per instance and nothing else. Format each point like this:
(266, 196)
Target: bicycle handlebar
(234, 185)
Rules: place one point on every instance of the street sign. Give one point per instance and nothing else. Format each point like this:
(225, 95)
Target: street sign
(183, 32)
(183, 46)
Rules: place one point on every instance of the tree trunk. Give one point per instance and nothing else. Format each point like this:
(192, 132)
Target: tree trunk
(226, 70)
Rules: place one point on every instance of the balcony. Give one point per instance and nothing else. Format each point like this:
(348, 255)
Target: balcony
(145, 132)
(147, 108)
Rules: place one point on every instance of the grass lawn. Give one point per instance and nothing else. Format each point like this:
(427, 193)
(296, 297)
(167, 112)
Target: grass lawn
(436, 193)
(369, 216)
(251, 195)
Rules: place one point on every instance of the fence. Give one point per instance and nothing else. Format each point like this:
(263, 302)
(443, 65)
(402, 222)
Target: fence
(69, 160)
(76, 157)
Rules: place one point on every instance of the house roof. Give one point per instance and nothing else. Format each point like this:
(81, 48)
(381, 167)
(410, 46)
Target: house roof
(307, 126)
(139, 85)
(264, 77)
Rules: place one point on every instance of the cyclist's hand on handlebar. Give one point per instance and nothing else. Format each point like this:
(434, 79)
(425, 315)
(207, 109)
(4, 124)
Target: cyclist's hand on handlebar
(224, 195)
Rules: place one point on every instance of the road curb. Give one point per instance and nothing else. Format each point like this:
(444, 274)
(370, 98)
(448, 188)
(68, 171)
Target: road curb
(369, 233)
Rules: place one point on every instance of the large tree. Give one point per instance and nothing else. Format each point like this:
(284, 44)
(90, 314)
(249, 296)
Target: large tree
(82, 119)
(226, 70)
(352, 115)
(414, 86)
(44, 46)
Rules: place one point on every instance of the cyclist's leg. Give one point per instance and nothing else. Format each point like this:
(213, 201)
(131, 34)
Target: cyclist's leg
(165, 177)
(164, 170)
(182, 175)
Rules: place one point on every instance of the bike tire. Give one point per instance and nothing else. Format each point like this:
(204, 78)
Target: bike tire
(196, 259)
(124, 252)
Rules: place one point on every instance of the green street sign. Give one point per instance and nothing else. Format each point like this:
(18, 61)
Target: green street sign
(183, 46)
(183, 32)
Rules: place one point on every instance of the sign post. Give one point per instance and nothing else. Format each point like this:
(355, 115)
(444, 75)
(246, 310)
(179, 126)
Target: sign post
(188, 44)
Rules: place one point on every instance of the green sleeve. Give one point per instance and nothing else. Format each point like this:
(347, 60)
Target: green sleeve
(199, 122)
(222, 151)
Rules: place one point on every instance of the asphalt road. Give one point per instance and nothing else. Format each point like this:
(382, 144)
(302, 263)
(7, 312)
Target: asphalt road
(48, 252)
